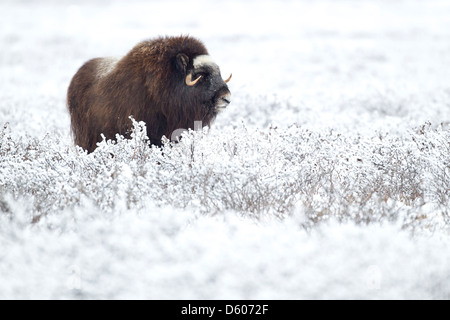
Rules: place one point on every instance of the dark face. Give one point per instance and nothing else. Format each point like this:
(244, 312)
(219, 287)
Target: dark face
(213, 89)
(204, 81)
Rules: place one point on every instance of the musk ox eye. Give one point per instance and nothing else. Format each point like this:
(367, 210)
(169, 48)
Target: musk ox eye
(200, 74)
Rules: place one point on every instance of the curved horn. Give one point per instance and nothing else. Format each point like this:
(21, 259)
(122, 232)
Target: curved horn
(229, 78)
(189, 81)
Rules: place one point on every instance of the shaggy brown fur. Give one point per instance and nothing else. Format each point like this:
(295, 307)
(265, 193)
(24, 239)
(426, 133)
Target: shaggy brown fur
(148, 84)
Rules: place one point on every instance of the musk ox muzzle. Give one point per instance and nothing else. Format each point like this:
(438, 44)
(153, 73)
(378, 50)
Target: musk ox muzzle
(168, 82)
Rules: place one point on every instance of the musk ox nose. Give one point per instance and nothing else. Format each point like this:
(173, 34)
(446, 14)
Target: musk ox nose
(224, 101)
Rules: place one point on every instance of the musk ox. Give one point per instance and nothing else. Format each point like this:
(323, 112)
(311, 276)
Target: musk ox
(167, 82)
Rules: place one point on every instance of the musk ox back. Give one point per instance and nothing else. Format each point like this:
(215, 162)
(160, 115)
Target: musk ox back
(168, 82)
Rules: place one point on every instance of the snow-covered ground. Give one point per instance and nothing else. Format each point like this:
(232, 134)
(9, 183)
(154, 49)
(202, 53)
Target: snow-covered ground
(328, 176)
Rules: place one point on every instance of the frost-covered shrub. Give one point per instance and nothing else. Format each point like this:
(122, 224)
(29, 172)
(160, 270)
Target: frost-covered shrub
(272, 172)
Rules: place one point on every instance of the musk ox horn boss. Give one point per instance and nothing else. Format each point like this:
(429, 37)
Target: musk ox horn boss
(168, 82)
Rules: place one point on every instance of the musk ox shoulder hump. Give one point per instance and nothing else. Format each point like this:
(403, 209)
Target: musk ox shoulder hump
(105, 66)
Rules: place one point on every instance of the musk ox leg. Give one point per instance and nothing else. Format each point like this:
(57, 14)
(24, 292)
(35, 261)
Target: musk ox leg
(80, 97)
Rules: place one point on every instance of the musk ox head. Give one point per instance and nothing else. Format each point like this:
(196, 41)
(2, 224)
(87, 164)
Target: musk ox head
(170, 83)
(203, 75)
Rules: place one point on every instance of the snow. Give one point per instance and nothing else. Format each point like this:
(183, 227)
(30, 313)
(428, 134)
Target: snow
(328, 175)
